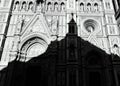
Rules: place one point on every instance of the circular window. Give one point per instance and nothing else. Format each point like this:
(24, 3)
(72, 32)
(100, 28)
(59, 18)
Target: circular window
(90, 25)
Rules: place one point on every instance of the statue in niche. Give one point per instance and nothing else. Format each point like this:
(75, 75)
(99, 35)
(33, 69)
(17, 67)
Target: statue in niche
(88, 7)
(49, 6)
(62, 7)
(12, 46)
(30, 6)
(95, 7)
(39, 7)
(116, 49)
(56, 6)
(24, 6)
(82, 7)
(19, 25)
(16, 7)
(55, 26)
(15, 45)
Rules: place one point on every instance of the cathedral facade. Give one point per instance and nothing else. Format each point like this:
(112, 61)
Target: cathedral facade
(71, 31)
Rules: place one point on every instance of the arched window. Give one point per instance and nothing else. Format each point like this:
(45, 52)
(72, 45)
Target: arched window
(96, 7)
(49, 6)
(55, 6)
(24, 6)
(81, 6)
(88, 7)
(16, 6)
(62, 6)
(30, 8)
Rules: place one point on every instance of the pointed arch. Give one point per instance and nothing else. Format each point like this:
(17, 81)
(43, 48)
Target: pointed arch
(31, 47)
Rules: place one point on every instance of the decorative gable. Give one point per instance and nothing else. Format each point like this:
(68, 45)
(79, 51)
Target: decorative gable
(37, 25)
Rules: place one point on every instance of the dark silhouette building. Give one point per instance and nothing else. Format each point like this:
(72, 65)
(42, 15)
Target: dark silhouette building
(69, 62)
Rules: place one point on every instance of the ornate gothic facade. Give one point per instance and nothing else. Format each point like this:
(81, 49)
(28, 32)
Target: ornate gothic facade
(28, 29)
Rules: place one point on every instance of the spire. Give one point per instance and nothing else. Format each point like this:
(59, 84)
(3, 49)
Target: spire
(72, 25)
(72, 20)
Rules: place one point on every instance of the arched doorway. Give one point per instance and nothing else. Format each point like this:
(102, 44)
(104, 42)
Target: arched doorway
(32, 48)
